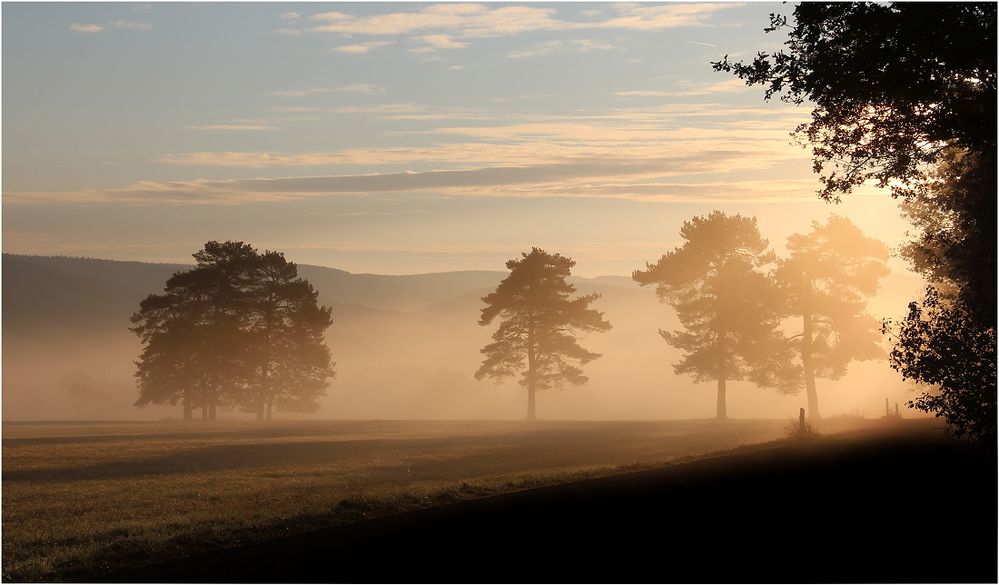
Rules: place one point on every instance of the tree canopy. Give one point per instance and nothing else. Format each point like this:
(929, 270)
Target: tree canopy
(904, 95)
(724, 301)
(826, 280)
(239, 330)
(539, 323)
(892, 84)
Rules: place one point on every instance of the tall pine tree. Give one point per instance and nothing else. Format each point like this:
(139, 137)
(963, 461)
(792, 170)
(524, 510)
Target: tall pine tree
(724, 301)
(539, 321)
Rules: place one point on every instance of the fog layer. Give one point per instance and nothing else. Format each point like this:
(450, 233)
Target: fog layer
(405, 347)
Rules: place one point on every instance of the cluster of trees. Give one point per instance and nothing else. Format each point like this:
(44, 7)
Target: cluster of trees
(904, 95)
(732, 308)
(731, 294)
(239, 330)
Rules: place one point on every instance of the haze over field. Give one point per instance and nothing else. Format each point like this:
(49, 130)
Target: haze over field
(396, 139)
(405, 347)
(284, 284)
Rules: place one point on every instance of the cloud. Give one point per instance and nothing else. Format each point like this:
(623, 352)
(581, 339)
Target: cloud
(121, 24)
(131, 25)
(686, 89)
(293, 32)
(392, 111)
(465, 181)
(361, 48)
(233, 127)
(761, 134)
(647, 17)
(290, 15)
(570, 46)
(435, 42)
(480, 20)
(536, 50)
(353, 88)
(86, 28)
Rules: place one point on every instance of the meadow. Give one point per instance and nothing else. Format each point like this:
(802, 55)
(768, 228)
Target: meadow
(83, 499)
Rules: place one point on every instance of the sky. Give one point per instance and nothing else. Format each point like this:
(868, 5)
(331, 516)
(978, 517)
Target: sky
(397, 138)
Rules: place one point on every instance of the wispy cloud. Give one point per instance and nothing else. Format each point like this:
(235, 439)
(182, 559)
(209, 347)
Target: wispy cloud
(86, 28)
(480, 20)
(438, 42)
(234, 127)
(685, 89)
(94, 28)
(131, 25)
(361, 48)
(465, 181)
(648, 17)
(290, 15)
(570, 46)
(353, 88)
(393, 111)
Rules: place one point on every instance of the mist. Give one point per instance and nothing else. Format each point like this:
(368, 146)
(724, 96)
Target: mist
(405, 347)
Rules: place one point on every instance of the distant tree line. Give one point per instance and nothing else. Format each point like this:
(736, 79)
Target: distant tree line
(240, 330)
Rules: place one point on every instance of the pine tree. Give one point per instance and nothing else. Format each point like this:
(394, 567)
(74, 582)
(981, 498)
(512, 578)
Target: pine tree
(724, 302)
(827, 279)
(240, 329)
(538, 325)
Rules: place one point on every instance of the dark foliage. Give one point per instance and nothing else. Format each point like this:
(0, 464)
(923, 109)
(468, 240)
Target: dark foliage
(940, 343)
(240, 329)
(893, 85)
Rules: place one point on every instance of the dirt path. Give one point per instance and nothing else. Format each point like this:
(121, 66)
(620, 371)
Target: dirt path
(906, 505)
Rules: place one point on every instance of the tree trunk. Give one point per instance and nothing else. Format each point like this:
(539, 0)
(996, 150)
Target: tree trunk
(809, 367)
(720, 412)
(260, 412)
(270, 403)
(187, 405)
(204, 413)
(531, 388)
(211, 404)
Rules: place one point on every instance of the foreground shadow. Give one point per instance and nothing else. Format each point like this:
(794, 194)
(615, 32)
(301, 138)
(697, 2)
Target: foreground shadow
(910, 508)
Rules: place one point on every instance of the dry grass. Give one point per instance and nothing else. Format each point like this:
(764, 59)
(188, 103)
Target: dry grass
(79, 500)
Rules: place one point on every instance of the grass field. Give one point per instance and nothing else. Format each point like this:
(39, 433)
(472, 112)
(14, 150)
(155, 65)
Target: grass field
(80, 499)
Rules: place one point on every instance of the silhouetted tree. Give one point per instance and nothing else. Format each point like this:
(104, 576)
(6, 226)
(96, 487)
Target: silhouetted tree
(238, 329)
(905, 94)
(826, 281)
(538, 325)
(195, 334)
(956, 244)
(942, 344)
(293, 363)
(169, 368)
(727, 306)
(948, 341)
(893, 85)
